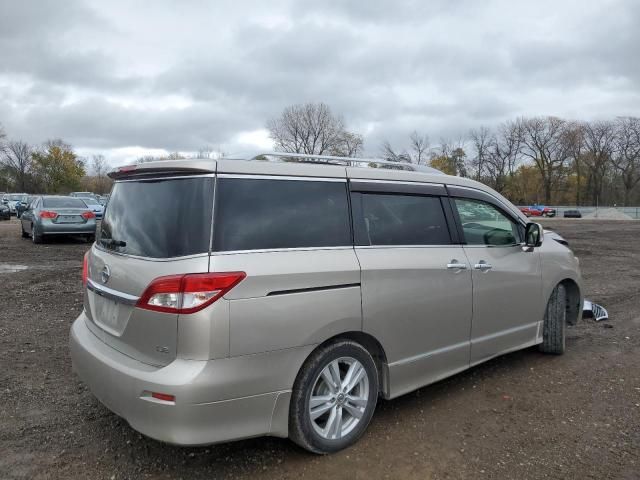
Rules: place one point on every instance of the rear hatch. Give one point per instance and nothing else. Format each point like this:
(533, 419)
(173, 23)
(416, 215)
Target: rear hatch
(152, 227)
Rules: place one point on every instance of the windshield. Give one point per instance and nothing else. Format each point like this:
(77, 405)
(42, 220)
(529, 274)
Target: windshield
(62, 202)
(161, 218)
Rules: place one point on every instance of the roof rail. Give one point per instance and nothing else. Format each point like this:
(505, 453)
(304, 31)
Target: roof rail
(346, 161)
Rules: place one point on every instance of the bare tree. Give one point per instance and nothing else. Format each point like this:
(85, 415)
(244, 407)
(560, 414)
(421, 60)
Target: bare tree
(391, 155)
(100, 168)
(349, 145)
(16, 159)
(626, 158)
(544, 142)
(310, 128)
(419, 147)
(599, 141)
(574, 137)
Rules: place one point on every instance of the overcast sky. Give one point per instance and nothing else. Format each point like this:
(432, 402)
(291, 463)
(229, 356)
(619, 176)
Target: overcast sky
(129, 78)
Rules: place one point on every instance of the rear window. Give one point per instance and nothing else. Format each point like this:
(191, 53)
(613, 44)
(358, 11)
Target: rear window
(160, 218)
(63, 203)
(89, 201)
(253, 214)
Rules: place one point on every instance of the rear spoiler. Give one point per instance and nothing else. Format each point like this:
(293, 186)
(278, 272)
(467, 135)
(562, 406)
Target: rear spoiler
(164, 168)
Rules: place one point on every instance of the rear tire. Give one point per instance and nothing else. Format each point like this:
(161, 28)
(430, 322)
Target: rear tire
(347, 409)
(35, 236)
(555, 323)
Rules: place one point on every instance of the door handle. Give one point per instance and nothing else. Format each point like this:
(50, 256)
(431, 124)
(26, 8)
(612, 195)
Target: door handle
(455, 265)
(482, 265)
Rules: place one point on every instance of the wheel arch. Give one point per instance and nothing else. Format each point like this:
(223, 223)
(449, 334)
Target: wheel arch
(574, 300)
(372, 345)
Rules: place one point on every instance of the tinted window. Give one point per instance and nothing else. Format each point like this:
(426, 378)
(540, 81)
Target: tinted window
(484, 224)
(256, 214)
(159, 218)
(402, 220)
(63, 203)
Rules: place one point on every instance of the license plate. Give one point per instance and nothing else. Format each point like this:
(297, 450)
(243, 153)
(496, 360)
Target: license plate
(68, 219)
(108, 312)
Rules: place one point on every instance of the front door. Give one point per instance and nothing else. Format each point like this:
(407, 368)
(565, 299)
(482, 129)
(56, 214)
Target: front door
(508, 308)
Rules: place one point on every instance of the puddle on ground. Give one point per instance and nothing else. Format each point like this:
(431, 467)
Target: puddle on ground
(11, 268)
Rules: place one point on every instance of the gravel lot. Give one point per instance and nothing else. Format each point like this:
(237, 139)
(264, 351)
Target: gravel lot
(524, 415)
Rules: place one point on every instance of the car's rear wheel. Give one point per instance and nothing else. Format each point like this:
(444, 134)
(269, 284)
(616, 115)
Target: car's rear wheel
(35, 236)
(333, 398)
(555, 322)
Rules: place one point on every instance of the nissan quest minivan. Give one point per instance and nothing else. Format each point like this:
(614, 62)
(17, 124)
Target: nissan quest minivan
(237, 298)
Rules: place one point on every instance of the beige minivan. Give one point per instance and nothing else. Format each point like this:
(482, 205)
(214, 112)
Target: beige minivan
(237, 298)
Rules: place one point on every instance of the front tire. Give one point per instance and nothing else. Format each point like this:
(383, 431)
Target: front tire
(555, 323)
(333, 398)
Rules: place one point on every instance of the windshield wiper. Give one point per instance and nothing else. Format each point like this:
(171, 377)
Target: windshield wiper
(113, 243)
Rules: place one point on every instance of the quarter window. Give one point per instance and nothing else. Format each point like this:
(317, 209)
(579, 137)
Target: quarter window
(484, 224)
(253, 214)
(391, 219)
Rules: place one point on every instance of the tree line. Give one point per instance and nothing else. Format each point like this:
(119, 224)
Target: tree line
(529, 159)
(52, 167)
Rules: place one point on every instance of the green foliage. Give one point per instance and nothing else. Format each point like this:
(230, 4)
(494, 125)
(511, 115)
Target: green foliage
(57, 169)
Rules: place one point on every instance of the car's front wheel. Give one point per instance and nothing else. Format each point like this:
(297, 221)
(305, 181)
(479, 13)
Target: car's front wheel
(334, 397)
(555, 322)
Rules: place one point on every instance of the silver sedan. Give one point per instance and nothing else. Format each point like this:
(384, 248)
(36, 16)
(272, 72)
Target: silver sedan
(57, 215)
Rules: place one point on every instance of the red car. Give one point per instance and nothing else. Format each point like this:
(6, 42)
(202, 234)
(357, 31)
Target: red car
(538, 211)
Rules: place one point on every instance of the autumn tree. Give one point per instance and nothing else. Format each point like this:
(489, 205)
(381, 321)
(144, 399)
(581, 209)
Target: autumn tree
(599, 141)
(57, 169)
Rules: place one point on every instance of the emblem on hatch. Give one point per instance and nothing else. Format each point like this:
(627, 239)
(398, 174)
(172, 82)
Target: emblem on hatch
(105, 274)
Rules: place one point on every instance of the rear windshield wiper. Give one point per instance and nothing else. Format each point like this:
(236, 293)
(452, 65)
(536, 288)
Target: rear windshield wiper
(113, 243)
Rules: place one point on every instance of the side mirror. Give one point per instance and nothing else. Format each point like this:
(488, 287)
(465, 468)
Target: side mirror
(533, 235)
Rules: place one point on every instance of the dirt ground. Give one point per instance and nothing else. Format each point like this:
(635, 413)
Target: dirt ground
(524, 415)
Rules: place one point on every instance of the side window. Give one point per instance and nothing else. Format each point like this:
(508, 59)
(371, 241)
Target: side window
(392, 219)
(253, 214)
(484, 224)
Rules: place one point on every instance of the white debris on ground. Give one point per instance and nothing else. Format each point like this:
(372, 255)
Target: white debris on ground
(608, 214)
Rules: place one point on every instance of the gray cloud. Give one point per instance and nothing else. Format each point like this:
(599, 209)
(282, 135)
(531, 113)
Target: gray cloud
(181, 75)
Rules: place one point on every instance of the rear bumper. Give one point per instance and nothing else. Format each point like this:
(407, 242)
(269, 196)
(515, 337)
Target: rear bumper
(205, 410)
(50, 228)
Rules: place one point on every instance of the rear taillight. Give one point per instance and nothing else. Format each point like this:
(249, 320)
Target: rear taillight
(48, 214)
(187, 293)
(85, 269)
(88, 215)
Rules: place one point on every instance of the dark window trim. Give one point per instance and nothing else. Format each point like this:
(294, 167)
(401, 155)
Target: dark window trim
(401, 188)
(360, 229)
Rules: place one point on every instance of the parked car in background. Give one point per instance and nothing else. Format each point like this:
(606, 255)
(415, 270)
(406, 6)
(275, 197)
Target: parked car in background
(5, 213)
(84, 195)
(10, 199)
(103, 199)
(313, 290)
(22, 205)
(538, 211)
(95, 206)
(572, 214)
(57, 215)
